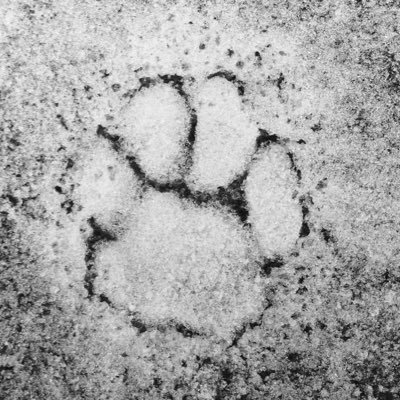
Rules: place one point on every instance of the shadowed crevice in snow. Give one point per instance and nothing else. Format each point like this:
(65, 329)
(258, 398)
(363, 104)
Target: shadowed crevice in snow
(305, 202)
(271, 263)
(248, 326)
(138, 323)
(234, 198)
(98, 235)
(265, 139)
(230, 77)
(293, 166)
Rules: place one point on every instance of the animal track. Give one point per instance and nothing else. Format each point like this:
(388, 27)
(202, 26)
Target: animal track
(193, 205)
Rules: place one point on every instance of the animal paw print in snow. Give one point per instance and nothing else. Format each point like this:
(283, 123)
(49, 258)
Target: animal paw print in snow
(190, 203)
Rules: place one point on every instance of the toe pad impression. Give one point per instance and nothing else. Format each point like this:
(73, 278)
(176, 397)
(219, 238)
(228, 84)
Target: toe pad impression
(156, 125)
(273, 211)
(225, 137)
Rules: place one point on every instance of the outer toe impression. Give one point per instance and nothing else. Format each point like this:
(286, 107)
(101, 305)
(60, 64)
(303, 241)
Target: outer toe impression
(106, 184)
(273, 211)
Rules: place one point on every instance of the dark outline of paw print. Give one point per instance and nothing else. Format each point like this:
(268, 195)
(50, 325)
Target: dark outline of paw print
(232, 197)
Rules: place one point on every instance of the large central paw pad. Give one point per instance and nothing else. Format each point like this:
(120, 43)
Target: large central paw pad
(193, 204)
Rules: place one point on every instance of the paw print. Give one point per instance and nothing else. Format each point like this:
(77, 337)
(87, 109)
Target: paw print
(189, 204)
